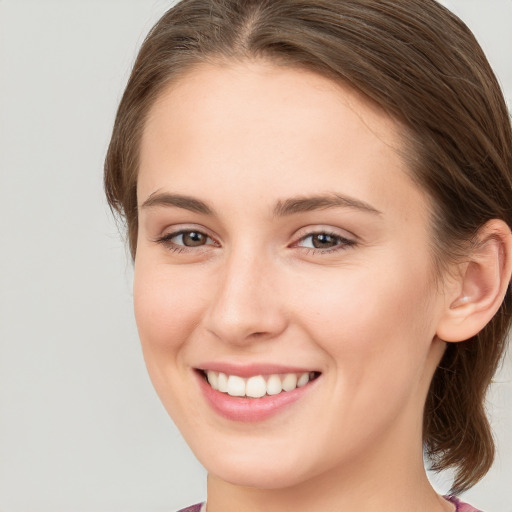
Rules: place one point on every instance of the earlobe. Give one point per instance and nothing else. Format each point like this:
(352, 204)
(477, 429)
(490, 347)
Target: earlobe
(482, 285)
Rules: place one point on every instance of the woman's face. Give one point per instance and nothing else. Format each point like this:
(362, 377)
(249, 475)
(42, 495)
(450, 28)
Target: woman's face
(282, 244)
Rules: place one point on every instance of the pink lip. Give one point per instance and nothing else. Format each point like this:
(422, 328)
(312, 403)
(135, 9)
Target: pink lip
(250, 370)
(250, 409)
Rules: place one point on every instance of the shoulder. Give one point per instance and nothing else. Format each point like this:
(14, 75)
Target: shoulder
(461, 506)
(193, 508)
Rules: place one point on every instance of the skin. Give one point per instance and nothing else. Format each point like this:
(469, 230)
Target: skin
(241, 138)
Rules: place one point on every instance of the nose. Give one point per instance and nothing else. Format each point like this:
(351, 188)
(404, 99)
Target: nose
(246, 306)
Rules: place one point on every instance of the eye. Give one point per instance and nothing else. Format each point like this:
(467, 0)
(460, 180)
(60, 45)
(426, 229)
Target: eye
(325, 242)
(185, 239)
(189, 238)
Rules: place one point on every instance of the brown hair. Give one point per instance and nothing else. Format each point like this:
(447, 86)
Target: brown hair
(423, 66)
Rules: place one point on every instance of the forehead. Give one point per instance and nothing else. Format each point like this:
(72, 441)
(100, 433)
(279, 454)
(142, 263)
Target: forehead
(254, 122)
(268, 95)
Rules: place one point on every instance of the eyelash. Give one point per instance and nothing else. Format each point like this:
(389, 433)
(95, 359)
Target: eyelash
(343, 243)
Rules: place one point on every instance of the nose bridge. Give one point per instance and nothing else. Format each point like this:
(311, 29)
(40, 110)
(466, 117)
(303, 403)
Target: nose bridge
(246, 302)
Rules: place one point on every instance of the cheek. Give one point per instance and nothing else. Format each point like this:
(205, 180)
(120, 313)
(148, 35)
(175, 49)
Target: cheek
(372, 321)
(167, 305)
(377, 332)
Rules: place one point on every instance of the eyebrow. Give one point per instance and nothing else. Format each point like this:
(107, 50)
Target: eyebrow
(177, 200)
(321, 202)
(282, 208)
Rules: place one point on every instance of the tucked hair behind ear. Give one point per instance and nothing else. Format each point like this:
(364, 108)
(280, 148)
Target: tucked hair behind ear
(423, 66)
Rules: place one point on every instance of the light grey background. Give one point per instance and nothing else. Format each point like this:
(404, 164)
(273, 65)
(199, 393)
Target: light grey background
(81, 428)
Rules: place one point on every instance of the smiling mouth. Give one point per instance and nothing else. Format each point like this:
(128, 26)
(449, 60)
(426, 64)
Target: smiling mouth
(257, 386)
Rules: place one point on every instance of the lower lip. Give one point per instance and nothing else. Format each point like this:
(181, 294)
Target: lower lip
(250, 409)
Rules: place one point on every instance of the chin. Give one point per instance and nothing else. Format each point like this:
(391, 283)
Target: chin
(258, 469)
(258, 478)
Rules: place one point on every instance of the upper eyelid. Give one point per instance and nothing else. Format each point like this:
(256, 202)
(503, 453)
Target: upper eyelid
(333, 231)
(171, 231)
(300, 233)
(343, 242)
(334, 235)
(171, 234)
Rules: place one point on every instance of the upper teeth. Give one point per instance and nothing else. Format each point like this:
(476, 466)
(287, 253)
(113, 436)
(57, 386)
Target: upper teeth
(259, 385)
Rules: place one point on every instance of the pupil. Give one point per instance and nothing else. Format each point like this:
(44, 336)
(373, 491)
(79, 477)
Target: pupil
(323, 240)
(193, 239)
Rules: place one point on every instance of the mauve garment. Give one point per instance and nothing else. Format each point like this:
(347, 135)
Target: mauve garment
(193, 508)
(461, 507)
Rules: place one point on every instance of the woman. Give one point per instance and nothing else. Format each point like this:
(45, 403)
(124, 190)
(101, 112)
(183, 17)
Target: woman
(318, 202)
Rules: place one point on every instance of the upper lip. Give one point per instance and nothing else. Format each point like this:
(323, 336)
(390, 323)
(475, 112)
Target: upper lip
(251, 370)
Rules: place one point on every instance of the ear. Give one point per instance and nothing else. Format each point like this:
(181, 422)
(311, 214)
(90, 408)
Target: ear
(477, 293)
